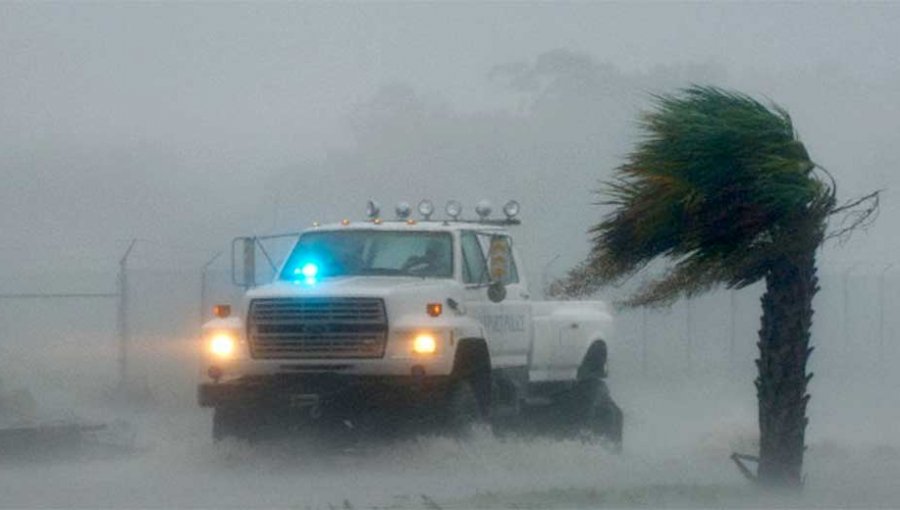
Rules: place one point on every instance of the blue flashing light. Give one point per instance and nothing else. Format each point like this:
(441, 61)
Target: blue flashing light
(308, 271)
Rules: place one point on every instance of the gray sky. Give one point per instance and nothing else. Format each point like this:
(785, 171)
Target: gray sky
(188, 124)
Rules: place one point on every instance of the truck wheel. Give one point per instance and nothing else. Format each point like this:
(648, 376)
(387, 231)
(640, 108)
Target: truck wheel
(232, 422)
(594, 412)
(461, 408)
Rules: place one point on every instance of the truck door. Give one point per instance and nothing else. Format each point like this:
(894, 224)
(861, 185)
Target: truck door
(488, 256)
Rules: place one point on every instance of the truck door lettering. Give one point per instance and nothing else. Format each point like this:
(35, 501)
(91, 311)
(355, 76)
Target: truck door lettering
(503, 323)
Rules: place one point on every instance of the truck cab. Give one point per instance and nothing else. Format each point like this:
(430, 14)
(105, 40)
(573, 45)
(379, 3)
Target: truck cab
(425, 317)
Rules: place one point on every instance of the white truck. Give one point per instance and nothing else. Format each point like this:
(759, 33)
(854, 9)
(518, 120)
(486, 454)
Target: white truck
(380, 323)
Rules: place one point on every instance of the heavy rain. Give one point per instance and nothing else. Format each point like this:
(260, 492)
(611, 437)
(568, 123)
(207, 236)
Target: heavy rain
(138, 140)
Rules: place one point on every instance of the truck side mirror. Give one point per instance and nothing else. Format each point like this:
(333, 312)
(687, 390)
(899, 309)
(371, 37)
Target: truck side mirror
(243, 274)
(496, 291)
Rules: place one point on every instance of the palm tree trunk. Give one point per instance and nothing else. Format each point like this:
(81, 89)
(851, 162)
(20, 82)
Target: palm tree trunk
(783, 352)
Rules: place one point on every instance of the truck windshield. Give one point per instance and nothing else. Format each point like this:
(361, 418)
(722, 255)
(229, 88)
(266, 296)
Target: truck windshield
(370, 253)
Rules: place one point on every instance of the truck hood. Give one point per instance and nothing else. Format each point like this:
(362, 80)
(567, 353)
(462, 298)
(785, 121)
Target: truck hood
(374, 286)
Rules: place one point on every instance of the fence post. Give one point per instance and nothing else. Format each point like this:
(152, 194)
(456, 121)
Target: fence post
(249, 261)
(122, 316)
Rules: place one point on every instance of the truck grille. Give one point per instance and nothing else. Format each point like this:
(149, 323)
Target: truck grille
(314, 328)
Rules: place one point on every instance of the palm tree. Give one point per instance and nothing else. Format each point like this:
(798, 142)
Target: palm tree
(722, 189)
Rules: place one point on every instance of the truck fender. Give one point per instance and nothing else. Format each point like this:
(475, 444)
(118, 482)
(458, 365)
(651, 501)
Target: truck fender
(472, 362)
(594, 362)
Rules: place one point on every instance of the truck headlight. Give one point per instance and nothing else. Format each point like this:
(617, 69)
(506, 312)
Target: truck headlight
(424, 343)
(222, 344)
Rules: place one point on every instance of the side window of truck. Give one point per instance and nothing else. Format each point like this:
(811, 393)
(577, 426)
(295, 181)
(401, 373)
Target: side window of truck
(501, 264)
(474, 266)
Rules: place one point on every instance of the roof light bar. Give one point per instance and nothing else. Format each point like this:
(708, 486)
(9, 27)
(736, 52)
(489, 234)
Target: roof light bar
(453, 209)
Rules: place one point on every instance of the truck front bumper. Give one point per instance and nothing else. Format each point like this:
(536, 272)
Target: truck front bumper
(322, 390)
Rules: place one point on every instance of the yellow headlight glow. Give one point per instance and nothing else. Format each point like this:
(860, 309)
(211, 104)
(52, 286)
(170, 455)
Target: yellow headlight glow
(222, 345)
(424, 344)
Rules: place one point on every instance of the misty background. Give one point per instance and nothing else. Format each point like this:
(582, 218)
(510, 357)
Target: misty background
(184, 125)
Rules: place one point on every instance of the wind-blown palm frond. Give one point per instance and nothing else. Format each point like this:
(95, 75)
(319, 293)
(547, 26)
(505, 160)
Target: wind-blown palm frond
(718, 185)
(721, 187)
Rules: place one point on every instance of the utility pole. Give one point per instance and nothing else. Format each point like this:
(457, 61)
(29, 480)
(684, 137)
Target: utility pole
(203, 305)
(122, 316)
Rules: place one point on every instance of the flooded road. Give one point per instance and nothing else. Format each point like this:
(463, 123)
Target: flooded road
(678, 439)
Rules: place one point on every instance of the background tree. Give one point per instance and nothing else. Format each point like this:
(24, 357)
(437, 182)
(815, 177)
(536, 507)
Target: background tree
(723, 190)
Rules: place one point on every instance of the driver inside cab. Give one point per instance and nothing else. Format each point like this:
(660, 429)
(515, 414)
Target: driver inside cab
(431, 263)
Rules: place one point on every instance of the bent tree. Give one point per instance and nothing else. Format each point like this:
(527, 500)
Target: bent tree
(722, 189)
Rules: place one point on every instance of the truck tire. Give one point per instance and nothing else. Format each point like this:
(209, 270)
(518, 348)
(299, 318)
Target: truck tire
(472, 368)
(461, 409)
(594, 412)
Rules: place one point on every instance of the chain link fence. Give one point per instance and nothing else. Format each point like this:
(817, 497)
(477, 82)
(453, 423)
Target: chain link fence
(69, 347)
(854, 328)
